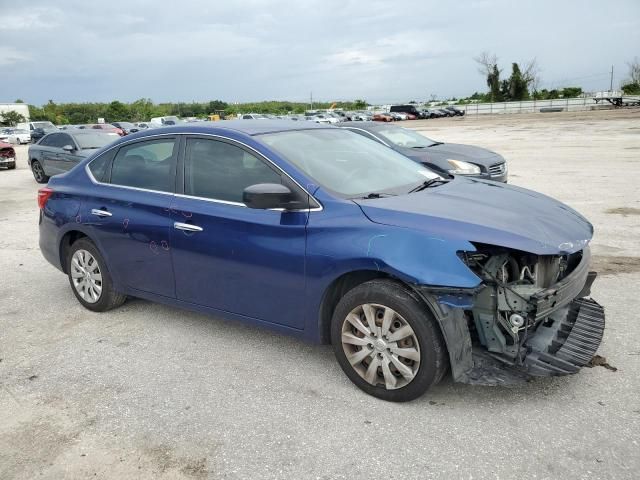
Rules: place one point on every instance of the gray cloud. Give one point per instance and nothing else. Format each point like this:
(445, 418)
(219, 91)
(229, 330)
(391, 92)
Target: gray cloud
(339, 49)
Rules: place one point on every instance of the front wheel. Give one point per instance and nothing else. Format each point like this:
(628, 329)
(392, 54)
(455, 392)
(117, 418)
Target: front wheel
(38, 172)
(90, 278)
(387, 342)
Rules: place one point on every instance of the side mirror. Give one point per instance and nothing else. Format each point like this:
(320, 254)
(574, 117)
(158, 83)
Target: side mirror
(267, 195)
(68, 148)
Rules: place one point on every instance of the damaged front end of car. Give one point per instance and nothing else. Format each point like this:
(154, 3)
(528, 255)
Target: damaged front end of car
(529, 316)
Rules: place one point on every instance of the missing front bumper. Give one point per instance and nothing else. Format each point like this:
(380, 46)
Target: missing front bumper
(567, 341)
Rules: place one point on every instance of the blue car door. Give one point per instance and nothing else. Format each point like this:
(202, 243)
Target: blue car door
(227, 256)
(127, 212)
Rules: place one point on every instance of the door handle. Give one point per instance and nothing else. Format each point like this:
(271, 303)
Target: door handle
(187, 227)
(100, 213)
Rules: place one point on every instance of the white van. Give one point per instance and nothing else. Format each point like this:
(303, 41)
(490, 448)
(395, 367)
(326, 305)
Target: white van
(33, 125)
(162, 121)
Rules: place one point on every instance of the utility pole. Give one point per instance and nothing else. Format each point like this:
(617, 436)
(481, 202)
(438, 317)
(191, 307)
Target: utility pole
(611, 84)
(311, 100)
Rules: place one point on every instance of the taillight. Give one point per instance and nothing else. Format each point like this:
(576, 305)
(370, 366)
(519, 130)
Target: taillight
(43, 195)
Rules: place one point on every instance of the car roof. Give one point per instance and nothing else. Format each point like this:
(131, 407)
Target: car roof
(367, 125)
(248, 127)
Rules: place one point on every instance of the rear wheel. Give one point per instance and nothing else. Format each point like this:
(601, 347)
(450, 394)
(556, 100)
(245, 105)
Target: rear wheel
(387, 342)
(38, 172)
(11, 166)
(90, 279)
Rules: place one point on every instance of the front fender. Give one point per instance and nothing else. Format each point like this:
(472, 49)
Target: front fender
(342, 240)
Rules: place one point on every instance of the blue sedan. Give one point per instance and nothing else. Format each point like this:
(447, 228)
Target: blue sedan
(321, 233)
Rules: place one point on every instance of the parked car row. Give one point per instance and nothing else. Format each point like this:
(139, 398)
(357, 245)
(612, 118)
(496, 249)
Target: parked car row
(395, 113)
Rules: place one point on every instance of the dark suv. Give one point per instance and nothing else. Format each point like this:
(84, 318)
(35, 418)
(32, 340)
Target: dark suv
(407, 109)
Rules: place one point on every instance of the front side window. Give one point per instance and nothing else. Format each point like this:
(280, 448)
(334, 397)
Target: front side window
(148, 165)
(221, 171)
(65, 140)
(55, 141)
(346, 163)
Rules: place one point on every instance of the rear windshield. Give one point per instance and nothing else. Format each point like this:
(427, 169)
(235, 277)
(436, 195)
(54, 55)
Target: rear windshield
(403, 137)
(90, 141)
(43, 125)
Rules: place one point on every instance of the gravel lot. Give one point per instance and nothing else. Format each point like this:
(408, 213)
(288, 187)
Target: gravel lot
(148, 391)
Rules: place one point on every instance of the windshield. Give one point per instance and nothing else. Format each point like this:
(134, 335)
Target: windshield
(403, 137)
(87, 141)
(43, 125)
(125, 124)
(348, 164)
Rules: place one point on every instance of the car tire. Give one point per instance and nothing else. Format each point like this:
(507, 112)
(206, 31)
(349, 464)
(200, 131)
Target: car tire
(11, 166)
(90, 279)
(38, 172)
(376, 362)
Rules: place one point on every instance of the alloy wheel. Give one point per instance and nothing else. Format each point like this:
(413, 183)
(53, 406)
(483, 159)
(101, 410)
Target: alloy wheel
(381, 346)
(86, 276)
(38, 171)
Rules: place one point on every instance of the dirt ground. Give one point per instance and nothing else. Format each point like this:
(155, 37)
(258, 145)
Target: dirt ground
(149, 391)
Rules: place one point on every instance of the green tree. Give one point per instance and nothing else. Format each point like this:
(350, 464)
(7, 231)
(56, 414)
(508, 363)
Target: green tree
(214, 105)
(516, 87)
(494, 84)
(11, 118)
(360, 104)
(631, 88)
(571, 92)
(117, 111)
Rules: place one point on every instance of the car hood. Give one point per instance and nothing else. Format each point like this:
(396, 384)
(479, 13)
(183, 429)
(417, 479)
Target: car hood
(467, 153)
(486, 212)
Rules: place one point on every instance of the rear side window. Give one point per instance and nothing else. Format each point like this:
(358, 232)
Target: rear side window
(221, 171)
(98, 167)
(149, 165)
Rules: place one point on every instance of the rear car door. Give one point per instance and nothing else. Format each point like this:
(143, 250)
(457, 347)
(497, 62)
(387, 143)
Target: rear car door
(128, 212)
(227, 256)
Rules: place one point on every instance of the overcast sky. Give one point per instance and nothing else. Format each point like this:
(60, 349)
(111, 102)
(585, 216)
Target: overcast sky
(382, 51)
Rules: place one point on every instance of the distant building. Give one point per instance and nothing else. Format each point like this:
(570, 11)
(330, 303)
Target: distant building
(21, 108)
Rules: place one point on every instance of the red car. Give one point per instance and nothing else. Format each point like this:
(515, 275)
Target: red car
(107, 127)
(382, 117)
(7, 156)
(411, 116)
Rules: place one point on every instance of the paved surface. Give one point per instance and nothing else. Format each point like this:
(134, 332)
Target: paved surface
(148, 391)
